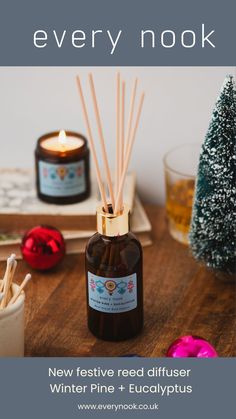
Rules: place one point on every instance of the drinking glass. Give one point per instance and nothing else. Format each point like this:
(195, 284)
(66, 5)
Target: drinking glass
(180, 165)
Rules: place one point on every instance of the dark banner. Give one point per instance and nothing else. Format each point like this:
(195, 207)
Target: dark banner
(117, 387)
(108, 33)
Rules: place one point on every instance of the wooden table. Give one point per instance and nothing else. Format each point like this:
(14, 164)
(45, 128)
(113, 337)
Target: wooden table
(180, 298)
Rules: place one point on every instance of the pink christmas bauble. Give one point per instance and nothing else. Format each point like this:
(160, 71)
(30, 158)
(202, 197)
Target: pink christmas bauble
(191, 347)
(43, 247)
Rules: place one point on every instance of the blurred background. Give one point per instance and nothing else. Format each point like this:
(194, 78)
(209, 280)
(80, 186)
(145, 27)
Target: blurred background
(177, 110)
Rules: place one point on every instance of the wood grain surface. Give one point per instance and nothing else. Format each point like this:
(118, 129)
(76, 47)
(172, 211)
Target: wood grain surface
(180, 297)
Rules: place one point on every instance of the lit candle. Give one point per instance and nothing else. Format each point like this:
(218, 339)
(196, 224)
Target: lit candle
(62, 167)
(62, 142)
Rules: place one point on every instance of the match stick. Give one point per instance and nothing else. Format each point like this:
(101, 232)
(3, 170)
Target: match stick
(10, 262)
(8, 282)
(4, 277)
(102, 142)
(7, 271)
(12, 273)
(92, 146)
(20, 289)
(129, 150)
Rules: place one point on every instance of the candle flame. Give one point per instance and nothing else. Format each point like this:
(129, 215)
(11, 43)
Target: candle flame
(62, 137)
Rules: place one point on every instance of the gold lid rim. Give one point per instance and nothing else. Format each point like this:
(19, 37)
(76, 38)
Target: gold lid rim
(113, 225)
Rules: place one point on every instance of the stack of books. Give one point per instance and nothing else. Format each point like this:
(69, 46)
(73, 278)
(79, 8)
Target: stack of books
(21, 210)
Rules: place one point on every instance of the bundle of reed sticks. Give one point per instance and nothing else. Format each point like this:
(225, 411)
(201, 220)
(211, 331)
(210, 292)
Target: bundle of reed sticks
(7, 297)
(126, 130)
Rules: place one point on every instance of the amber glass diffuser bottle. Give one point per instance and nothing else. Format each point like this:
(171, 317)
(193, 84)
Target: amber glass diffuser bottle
(113, 256)
(114, 278)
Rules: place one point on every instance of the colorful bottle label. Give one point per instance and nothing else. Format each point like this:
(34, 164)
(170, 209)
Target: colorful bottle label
(62, 179)
(112, 295)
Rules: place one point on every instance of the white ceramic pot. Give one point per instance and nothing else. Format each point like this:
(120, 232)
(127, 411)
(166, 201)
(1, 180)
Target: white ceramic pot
(12, 327)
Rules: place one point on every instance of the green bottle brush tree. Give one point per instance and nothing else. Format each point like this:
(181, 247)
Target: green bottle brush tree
(213, 227)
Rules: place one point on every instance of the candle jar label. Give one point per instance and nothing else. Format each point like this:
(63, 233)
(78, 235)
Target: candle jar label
(62, 179)
(112, 295)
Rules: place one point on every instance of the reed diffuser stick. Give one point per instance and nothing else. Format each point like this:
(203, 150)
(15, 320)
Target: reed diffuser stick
(92, 146)
(102, 142)
(129, 150)
(131, 114)
(22, 286)
(122, 124)
(117, 178)
(124, 140)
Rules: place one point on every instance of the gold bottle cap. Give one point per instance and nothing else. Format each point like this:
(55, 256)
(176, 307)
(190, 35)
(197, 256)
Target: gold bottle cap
(112, 225)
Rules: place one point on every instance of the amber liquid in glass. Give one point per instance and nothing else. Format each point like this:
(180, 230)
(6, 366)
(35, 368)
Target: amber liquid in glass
(114, 278)
(179, 207)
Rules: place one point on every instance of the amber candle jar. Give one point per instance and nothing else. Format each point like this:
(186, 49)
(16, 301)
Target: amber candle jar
(114, 279)
(62, 168)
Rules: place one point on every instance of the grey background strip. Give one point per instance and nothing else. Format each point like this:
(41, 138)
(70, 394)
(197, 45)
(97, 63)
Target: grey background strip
(25, 391)
(20, 19)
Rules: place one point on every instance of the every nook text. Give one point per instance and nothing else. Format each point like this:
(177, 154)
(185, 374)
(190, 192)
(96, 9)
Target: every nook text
(148, 38)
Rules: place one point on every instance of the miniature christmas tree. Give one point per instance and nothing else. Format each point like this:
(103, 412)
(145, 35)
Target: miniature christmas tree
(213, 227)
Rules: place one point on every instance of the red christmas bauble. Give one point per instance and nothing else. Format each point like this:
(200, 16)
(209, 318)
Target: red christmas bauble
(43, 247)
(191, 347)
